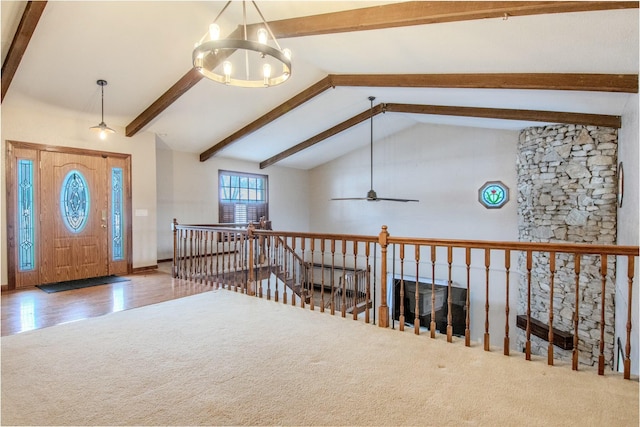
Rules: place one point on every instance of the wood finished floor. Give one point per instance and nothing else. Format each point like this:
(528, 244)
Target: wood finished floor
(28, 309)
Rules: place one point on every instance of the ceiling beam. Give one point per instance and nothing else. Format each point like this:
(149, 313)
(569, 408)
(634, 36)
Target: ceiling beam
(272, 115)
(542, 81)
(509, 114)
(185, 83)
(490, 113)
(323, 135)
(429, 12)
(388, 16)
(28, 23)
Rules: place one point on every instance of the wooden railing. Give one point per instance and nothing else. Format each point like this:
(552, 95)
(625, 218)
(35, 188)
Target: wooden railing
(486, 270)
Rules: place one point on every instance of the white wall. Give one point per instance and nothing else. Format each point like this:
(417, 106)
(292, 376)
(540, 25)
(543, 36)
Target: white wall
(44, 127)
(188, 191)
(628, 232)
(443, 167)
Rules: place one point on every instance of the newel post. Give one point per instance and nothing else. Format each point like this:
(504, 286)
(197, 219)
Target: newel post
(250, 236)
(174, 267)
(383, 311)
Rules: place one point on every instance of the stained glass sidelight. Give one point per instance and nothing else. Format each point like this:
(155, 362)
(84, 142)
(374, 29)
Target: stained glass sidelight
(74, 201)
(26, 231)
(117, 241)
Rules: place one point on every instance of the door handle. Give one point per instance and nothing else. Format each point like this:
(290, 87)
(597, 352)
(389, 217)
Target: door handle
(103, 225)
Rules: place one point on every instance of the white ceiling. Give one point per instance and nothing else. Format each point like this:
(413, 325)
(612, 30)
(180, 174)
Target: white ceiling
(142, 48)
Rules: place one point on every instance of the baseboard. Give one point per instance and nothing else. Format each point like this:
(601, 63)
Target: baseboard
(4, 288)
(165, 260)
(144, 269)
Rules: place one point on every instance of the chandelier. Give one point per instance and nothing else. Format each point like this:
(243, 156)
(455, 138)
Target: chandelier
(102, 127)
(238, 61)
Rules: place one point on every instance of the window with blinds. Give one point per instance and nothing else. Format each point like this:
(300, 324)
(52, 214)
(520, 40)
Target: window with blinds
(242, 197)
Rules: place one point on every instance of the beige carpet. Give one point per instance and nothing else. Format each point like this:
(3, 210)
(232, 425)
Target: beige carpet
(222, 358)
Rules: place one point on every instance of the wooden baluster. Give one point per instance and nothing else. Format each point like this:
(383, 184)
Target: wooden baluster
(197, 260)
(283, 250)
(190, 255)
(627, 347)
(356, 283)
(449, 315)
(179, 254)
(401, 302)
(203, 255)
(241, 273)
(230, 257)
(552, 275)
(527, 349)
(487, 263)
(235, 262)
(214, 258)
(194, 255)
(247, 242)
(269, 266)
(312, 285)
(507, 266)
(603, 273)
(183, 252)
(416, 321)
(333, 262)
(432, 326)
(368, 284)
(576, 313)
(293, 271)
(277, 264)
(218, 238)
(303, 278)
(343, 300)
(467, 330)
(207, 257)
(261, 262)
(322, 303)
(174, 264)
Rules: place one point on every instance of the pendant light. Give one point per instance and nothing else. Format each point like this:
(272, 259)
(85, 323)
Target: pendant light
(102, 128)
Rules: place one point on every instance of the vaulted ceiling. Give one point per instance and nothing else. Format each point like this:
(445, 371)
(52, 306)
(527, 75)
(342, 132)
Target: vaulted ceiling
(503, 65)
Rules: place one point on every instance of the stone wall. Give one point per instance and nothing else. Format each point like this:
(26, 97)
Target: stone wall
(567, 193)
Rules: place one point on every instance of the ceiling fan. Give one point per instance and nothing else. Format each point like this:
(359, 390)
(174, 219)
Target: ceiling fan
(372, 196)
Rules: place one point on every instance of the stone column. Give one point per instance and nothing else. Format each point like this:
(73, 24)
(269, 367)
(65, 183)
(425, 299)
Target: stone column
(567, 193)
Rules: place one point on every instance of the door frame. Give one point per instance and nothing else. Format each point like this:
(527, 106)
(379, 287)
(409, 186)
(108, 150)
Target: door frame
(11, 205)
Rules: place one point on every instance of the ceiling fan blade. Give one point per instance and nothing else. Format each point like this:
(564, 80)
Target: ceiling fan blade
(397, 200)
(349, 198)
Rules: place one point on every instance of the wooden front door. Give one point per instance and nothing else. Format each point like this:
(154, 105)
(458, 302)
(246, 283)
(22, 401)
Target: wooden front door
(68, 214)
(73, 217)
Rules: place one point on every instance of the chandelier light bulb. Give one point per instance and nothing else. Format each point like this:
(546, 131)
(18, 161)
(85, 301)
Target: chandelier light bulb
(287, 52)
(226, 68)
(103, 134)
(263, 36)
(214, 32)
(266, 72)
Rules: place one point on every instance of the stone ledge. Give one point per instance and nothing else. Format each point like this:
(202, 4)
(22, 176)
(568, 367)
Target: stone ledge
(562, 339)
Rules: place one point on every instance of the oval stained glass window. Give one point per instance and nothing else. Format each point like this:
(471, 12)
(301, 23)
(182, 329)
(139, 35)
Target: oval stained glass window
(74, 201)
